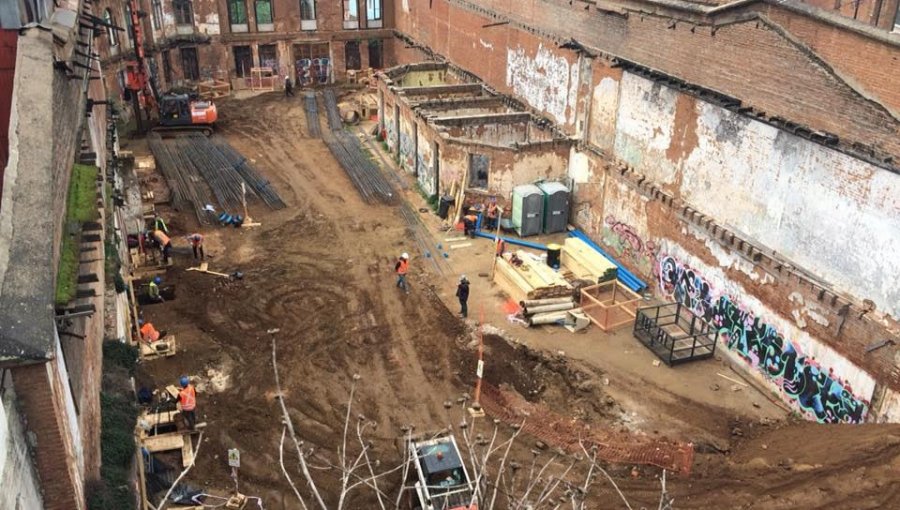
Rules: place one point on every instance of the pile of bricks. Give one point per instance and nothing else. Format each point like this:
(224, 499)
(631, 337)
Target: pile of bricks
(565, 433)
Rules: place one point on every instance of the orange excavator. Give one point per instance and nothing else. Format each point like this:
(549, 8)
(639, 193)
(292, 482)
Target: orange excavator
(176, 112)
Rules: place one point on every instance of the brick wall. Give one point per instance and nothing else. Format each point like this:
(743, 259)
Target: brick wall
(878, 14)
(751, 61)
(21, 487)
(42, 399)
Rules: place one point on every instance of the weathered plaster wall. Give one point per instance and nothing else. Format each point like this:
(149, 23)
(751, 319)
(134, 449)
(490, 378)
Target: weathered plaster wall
(844, 226)
(425, 171)
(545, 79)
(407, 140)
(21, 488)
(390, 122)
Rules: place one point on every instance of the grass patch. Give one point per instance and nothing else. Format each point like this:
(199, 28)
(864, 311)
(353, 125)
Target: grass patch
(81, 207)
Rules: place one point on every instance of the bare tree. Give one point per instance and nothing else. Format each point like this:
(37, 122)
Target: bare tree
(500, 482)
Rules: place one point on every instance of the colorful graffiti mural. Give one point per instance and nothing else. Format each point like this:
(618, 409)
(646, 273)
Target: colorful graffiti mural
(312, 71)
(628, 245)
(814, 390)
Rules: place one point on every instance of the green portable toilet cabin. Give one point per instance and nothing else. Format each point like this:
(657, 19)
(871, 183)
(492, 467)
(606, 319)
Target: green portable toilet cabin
(556, 206)
(527, 210)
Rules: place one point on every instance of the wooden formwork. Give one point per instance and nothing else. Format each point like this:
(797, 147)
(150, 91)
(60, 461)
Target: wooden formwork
(610, 305)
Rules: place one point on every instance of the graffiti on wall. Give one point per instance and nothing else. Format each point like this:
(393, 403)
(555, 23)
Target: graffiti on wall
(627, 245)
(813, 389)
(425, 167)
(407, 146)
(313, 71)
(390, 126)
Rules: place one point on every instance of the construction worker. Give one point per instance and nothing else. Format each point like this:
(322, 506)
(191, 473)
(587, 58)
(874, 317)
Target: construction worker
(288, 87)
(492, 213)
(501, 247)
(470, 222)
(187, 399)
(402, 268)
(149, 333)
(462, 292)
(153, 290)
(196, 244)
(165, 244)
(160, 224)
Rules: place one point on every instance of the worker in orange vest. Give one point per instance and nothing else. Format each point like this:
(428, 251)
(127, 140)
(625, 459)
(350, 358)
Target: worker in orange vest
(187, 398)
(149, 333)
(402, 268)
(196, 244)
(165, 244)
(470, 221)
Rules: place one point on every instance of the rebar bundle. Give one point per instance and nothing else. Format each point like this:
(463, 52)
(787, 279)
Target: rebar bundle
(195, 165)
(312, 115)
(347, 149)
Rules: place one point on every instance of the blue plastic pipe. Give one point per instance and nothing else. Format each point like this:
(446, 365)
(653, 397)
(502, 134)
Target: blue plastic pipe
(518, 242)
(625, 276)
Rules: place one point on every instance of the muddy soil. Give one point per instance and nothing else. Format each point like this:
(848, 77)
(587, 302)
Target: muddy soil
(320, 271)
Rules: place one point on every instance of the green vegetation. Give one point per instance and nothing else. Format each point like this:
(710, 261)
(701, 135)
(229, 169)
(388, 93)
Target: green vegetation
(81, 207)
(432, 200)
(118, 418)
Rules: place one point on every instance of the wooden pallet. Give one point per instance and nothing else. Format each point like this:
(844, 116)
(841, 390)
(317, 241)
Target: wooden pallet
(162, 348)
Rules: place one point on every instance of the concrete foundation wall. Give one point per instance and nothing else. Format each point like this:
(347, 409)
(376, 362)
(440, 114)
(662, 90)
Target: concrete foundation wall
(21, 487)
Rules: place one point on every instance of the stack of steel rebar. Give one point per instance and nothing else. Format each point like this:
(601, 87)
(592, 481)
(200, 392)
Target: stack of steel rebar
(261, 186)
(347, 149)
(312, 115)
(185, 182)
(189, 160)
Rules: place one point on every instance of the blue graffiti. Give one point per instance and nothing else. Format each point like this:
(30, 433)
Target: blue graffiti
(816, 392)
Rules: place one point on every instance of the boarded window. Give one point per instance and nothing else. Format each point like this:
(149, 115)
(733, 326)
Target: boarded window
(243, 60)
(268, 56)
(375, 51)
(351, 56)
(189, 64)
(167, 67)
(479, 164)
(312, 64)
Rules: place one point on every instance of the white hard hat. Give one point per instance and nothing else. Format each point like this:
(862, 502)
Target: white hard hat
(462, 278)
(404, 255)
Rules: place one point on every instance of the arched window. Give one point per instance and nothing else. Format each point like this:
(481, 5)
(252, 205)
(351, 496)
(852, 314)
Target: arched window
(112, 33)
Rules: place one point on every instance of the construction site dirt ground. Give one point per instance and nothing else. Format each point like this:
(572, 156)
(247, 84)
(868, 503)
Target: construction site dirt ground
(321, 272)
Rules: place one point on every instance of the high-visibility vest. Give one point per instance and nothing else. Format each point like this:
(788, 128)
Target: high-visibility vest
(471, 217)
(160, 224)
(188, 398)
(161, 237)
(154, 290)
(149, 332)
(404, 266)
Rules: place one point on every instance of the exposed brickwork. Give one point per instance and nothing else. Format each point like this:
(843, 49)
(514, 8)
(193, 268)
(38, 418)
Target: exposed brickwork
(750, 61)
(42, 404)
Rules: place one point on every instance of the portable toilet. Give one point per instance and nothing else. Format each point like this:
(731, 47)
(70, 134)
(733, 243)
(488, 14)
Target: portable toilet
(527, 210)
(556, 206)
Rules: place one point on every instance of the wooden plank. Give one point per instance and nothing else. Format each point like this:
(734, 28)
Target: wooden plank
(187, 451)
(163, 418)
(164, 442)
